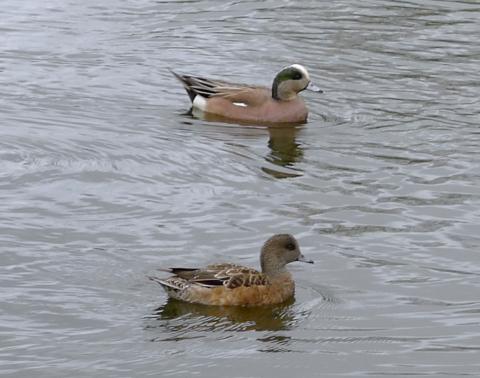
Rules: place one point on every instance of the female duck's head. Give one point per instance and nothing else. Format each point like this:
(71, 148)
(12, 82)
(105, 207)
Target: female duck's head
(278, 251)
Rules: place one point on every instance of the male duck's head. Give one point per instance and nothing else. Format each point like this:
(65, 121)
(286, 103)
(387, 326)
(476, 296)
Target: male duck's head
(291, 80)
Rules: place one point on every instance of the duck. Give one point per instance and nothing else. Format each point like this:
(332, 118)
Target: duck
(227, 284)
(250, 104)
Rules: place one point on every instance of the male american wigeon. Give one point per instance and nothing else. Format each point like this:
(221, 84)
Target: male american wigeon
(236, 285)
(253, 104)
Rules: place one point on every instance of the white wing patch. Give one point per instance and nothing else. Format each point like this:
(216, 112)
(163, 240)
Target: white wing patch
(242, 104)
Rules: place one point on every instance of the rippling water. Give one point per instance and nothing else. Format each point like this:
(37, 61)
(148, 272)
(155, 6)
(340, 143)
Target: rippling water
(104, 178)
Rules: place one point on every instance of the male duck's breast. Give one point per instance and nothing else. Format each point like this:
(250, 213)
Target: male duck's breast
(287, 111)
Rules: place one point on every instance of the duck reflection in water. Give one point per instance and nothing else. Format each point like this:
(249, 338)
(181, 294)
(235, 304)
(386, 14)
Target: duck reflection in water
(198, 317)
(285, 151)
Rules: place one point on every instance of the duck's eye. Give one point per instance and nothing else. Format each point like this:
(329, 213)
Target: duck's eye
(297, 76)
(290, 246)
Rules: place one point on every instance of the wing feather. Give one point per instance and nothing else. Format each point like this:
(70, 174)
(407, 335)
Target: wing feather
(229, 275)
(241, 93)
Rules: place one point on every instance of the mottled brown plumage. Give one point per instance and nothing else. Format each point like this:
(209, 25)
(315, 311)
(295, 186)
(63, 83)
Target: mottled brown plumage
(236, 285)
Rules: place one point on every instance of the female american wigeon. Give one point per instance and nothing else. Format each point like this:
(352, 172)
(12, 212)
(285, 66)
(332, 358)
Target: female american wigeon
(236, 285)
(254, 104)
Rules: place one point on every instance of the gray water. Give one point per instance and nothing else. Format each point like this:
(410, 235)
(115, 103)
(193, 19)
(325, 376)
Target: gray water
(105, 178)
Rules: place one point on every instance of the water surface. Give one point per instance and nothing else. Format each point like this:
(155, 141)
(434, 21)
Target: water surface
(104, 178)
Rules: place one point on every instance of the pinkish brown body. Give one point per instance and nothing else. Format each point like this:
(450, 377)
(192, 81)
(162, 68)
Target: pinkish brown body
(266, 111)
(252, 104)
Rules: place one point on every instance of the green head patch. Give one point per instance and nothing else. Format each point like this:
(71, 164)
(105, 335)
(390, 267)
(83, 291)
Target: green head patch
(288, 73)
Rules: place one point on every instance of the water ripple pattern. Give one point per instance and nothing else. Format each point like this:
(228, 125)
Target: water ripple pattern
(104, 178)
